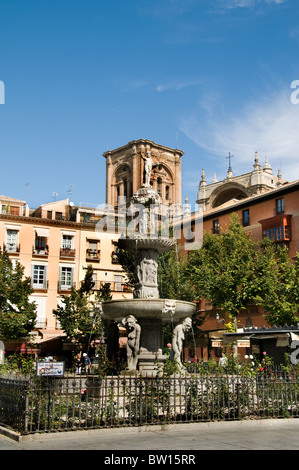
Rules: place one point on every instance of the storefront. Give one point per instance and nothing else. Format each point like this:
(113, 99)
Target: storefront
(274, 341)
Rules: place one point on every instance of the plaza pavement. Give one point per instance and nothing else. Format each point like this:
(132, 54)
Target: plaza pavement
(269, 434)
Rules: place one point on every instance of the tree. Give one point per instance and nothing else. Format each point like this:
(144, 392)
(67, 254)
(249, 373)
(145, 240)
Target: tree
(17, 313)
(127, 260)
(278, 278)
(77, 315)
(88, 283)
(223, 270)
(173, 279)
(231, 271)
(104, 292)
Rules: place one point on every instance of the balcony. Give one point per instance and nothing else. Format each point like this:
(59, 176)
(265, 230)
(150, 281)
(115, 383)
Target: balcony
(114, 286)
(277, 228)
(93, 255)
(41, 324)
(67, 253)
(62, 286)
(12, 248)
(40, 251)
(114, 259)
(41, 286)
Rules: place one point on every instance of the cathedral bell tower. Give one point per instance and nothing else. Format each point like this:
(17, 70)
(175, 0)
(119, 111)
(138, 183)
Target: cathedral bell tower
(127, 170)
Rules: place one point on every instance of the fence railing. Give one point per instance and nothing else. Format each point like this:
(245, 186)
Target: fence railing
(49, 404)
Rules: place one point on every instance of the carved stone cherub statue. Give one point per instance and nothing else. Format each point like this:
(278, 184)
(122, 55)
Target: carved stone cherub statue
(178, 338)
(133, 343)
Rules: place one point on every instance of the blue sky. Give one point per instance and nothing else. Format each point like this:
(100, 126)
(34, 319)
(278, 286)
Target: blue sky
(84, 76)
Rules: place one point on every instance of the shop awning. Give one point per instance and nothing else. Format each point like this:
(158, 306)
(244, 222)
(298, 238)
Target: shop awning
(280, 333)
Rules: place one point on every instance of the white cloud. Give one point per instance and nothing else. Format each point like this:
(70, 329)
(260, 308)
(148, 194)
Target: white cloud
(247, 3)
(270, 126)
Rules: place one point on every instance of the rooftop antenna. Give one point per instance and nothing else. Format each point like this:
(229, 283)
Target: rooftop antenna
(70, 191)
(54, 195)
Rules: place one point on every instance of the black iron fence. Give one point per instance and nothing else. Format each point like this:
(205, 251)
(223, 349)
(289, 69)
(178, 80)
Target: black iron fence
(45, 404)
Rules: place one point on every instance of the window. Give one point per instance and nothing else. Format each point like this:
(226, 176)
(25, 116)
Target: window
(274, 233)
(114, 258)
(280, 206)
(40, 303)
(93, 245)
(216, 226)
(12, 237)
(41, 241)
(117, 283)
(159, 185)
(58, 216)
(246, 219)
(167, 193)
(93, 253)
(39, 277)
(40, 244)
(14, 210)
(66, 277)
(279, 233)
(67, 241)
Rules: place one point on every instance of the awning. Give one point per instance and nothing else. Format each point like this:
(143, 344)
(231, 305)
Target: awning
(42, 232)
(68, 232)
(231, 338)
(294, 336)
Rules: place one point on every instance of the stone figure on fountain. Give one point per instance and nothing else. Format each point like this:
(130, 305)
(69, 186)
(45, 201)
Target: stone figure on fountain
(133, 342)
(148, 167)
(178, 338)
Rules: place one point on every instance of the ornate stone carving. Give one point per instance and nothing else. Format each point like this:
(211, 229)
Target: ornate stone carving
(148, 166)
(169, 308)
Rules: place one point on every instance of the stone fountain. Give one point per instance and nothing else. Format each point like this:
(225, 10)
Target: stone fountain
(143, 315)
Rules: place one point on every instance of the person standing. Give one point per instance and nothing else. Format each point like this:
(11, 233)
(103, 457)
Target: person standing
(86, 362)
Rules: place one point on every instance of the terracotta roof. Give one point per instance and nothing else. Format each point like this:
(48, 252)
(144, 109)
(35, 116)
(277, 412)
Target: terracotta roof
(11, 199)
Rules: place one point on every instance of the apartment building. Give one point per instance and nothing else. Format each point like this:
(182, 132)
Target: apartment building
(267, 206)
(55, 243)
(97, 249)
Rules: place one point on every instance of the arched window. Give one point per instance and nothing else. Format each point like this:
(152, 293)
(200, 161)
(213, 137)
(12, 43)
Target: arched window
(167, 193)
(159, 187)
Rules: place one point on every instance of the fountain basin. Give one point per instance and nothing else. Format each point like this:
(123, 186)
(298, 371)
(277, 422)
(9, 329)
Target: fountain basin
(153, 309)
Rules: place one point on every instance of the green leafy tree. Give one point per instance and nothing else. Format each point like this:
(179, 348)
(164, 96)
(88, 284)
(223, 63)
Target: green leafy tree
(104, 292)
(17, 313)
(278, 278)
(88, 283)
(231, 271)
(223, 270)
(127, 260)
(77, 314)
(173, 279)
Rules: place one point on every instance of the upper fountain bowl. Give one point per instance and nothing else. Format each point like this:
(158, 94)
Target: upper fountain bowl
(158, 244)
